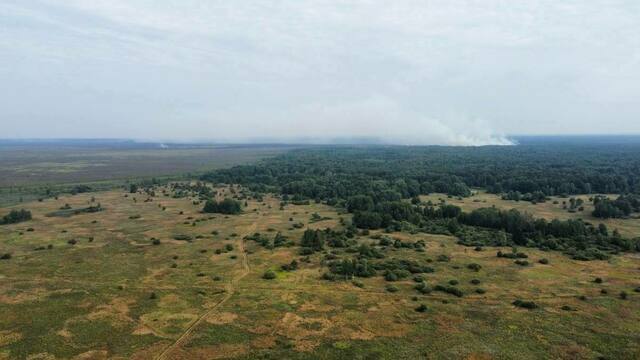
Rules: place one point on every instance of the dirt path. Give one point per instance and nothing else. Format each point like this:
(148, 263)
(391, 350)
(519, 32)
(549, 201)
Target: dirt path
(230, 290)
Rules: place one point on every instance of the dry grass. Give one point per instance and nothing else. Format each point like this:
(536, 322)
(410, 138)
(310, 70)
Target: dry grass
(94, 298)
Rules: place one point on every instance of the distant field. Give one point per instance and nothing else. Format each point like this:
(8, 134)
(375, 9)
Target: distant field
(48, 164)
(547, 210)
(116, 295)
(29, 170)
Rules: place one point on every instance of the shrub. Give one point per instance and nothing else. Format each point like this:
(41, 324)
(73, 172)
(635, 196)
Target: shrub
(637, 289)
(422, 308)
(475, 281)
(226, 206)
(423, 288)
(153, 296)
(567, 308)
(598, 280)
(155, 241)
(182, 237)
(72, 242)
(391, 288)
(525, 304)
(269, 275)
(390, 276)
(521, 262)
(5, 256)
(357, 283)
(449, 290)
(623, 295)
(480, 291)
(475, 267)
(453, 282)
(544, 261)
(16, 216)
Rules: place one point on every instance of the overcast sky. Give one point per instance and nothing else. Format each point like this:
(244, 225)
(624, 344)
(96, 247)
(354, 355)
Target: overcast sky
(419, 72)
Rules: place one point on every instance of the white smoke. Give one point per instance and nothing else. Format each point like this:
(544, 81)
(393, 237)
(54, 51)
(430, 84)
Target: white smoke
(382, 118)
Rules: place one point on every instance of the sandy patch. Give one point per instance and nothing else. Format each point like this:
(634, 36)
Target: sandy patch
(221, 318)
(9, 337)
(92, 355)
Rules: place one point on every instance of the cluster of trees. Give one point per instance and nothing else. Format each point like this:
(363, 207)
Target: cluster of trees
(265, 241)
(374, 184)
(16, 216)
(534, 197)
(226, 206)
(536, 170)
(620, 207)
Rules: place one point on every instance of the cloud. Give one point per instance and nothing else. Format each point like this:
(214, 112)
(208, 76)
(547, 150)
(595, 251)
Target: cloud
(458, 72)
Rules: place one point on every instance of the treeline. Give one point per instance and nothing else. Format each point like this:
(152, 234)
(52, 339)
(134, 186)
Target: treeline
(16, 216)
(388, 173)
(374, 183)
(620, 207)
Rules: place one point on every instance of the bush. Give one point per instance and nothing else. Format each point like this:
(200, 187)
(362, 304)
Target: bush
(5, 256)
(449, 290)
(391, 276)
(422, 308)
(623, 295)
(226, 206)
(521, 262)
(16, 216)
(475, 267)
(480, 291)
(598, 280)
(391, 288)
(155, 241)
(453, 282)
(567, 308)
(544, 261)
(525, 304)
(72, 242)
(475, 282)
(269, 275)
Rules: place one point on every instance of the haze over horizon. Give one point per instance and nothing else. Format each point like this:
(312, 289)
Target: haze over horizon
(437, 72)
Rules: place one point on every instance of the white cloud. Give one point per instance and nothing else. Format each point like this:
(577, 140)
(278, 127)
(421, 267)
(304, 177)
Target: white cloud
(407, 71)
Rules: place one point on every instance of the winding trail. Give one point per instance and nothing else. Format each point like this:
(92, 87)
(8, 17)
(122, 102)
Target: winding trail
(230, 291)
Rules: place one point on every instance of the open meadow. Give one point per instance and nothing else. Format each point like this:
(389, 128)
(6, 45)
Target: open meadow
(152, 277)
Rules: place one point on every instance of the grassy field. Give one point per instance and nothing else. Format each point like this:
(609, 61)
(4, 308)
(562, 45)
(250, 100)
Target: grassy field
(36, 165)
(114, 294)
(28, 171)
(547, 210)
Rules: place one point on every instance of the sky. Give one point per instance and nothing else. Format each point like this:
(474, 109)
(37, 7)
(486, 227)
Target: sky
(406, 72)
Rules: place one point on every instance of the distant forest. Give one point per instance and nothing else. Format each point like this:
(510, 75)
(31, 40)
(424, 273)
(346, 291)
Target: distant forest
(381, 185)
